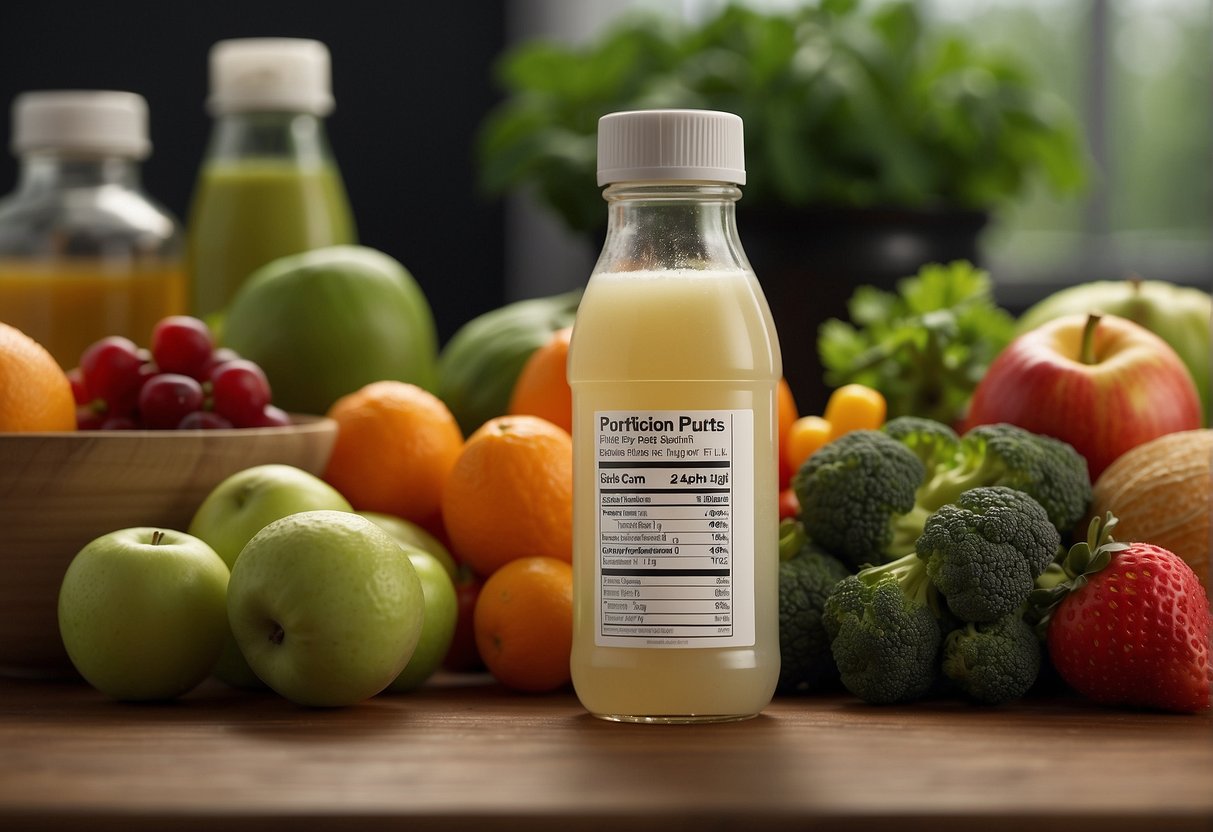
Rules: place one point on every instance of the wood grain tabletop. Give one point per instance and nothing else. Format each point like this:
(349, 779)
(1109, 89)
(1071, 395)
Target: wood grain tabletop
(465, 753)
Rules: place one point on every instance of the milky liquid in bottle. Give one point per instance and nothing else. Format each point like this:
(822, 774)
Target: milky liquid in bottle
(673, 366)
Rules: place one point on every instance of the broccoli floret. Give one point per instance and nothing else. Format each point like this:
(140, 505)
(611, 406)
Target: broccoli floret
(853, 492)
(984, 551)
(934, 443)
(993, 662)
(805, 581)
(884, 631)
(1050, 470)
(866, 496)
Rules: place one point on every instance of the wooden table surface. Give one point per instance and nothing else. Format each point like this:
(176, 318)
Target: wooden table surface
(467, 754)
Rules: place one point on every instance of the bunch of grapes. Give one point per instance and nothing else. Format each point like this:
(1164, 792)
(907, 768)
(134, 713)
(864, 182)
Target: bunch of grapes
(183, 382)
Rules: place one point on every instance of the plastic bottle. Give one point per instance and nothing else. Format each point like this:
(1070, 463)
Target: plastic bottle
(673, 366)
(268, 186)
(84, 252)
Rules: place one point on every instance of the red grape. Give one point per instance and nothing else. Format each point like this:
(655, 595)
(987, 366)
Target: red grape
(184, 381)
(146, 371)
(203, 420)
(270, 417)
(89, 417)
(181, 344)
(118, 423)
(79, 391)
(166, 399)
(111, 369)
(240, 392)
(218, 358)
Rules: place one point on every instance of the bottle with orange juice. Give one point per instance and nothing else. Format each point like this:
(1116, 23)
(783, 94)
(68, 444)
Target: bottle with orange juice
(673, 365)
(84, 252)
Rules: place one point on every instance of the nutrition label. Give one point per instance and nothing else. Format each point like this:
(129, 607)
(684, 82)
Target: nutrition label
(675, 528)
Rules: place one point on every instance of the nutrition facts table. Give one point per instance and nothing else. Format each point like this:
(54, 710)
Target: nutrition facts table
(666, 530)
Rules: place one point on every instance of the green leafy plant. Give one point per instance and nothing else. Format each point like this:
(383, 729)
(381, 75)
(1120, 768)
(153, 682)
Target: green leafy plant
(843, 106)
(924, 346)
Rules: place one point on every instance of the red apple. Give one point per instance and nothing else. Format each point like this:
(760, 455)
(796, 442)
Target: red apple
(1103, 384)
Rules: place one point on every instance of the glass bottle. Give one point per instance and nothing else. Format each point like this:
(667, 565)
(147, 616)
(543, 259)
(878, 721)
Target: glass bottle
(673, 366)
(84, 252)
(268, 186)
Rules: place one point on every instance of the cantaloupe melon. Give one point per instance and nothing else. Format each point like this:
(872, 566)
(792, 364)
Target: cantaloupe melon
(1162, 491)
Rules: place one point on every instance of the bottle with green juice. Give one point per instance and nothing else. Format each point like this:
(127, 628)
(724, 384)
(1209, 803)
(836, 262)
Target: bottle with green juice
(268, 186)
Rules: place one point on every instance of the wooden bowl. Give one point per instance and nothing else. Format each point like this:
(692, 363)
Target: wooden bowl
(58, 491)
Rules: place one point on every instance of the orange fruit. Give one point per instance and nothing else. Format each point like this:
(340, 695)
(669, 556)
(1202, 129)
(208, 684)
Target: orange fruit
(35, 394)
(524, 623)
(542, 388)
(785, 407)
(396, 444)
(510, 494)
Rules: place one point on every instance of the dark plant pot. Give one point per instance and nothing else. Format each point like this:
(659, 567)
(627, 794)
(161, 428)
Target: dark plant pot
(809, 262)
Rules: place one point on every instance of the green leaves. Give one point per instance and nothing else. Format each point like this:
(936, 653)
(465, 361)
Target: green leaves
(1089, 556)
(925, 346)
(545, 134)
(1084, 558)
(843, 105)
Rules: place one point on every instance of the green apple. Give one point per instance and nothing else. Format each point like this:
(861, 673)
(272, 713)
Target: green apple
(441, 611)
(325, 608)
(238, 508)
(410, 535)
(249, 500)
(142, 612)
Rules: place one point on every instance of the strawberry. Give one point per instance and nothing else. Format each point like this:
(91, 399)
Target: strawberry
(1130, 625)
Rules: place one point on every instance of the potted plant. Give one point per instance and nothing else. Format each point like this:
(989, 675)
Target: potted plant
(873, 143)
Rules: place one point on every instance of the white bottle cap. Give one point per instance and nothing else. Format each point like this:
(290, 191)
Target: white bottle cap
(671, 145)
(270, 74)
(81, 121)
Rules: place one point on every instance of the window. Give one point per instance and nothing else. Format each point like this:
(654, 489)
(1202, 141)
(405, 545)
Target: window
(1138, 73)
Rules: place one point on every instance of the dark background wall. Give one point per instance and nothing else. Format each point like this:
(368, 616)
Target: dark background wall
(411, 80)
